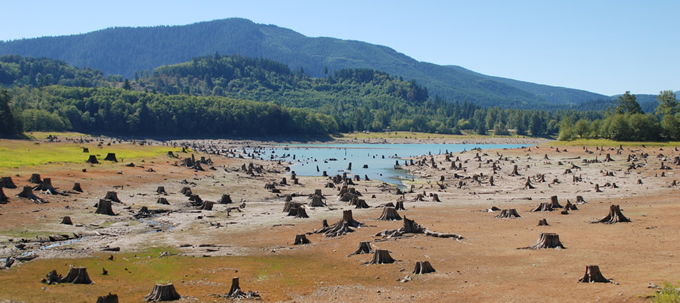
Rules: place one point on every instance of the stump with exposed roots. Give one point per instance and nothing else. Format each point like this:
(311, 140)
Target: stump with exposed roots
(389, 214)
(342, 227)
(112, 195)
(162, 292)
(77, 275)
(508, 213)
(423, 267)
(27, 193)
(301, 239)
(104, 208)
(614, 216)
(554, 203)
(543, 222)
(364, 248)
(110, 298)
(411, 227)
(381, 256)
(593, 275)
(547, 240)
(66, 220)
(543, 207)
(46, 186)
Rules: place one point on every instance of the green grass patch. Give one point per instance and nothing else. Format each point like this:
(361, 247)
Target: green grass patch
(668, 294)
(612, 143)
(44, 135)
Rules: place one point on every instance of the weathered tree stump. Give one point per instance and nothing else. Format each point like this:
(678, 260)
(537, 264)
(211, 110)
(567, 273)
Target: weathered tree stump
(342, 227)
(301, 239)
(7, 182)
(108, 298)
(298, 212)
(508, 213)
(543, 222)
(418, 198)
(111, 157)
(76, 187)
(514, 171)
(389, 214)
(27, 193)
(317, 201)
(161, 190)
(207, 205)
(597, 188)
(593, 275)
(66, 220)
(543, 207)
(35, 178)
(399, 205)
(3, 197)
(554, 203)
(527, 184)
(186, 191)
(77, 275)
(639, 181)
(579, 200)
(112, 195)
(423, 267)
(570, 206)
(546, 240)
(92, 160)
(46, 186)
(381, 256)
(614, 216)
(163, 200)
(52, 278)
(104, 208)
(364, 248)
(162, 292)
(226, 199)
(236, 293)
(86, 150)
(359, 203)
(283, 181)
(435, 198)
(608, 158)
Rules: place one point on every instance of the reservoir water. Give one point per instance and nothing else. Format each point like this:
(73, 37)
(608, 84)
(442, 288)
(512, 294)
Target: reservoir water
(377, 161)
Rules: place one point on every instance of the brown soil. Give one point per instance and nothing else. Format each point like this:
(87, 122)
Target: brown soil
(257, 243)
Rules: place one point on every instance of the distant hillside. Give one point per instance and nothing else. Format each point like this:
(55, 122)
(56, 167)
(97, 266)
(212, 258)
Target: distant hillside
(128, 50)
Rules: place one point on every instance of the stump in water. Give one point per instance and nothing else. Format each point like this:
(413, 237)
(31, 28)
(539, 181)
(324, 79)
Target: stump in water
(423, 267)
(543, 222)
(7, 182)
(67, 220)
(381, 256)
(207, 205)
(112, 195)
(92, 160)
(111, 157)
(543, 207)
(27, 193)
(35, 178)
(163, 201)
(389, 214)
(301, 239)
(546, 240)
(162, 292)
(226, 199)
(364, 248)
(77, 275)
(161, 190)
(108, 298)
(104, 208)
(614, 216)
(399, 205)
(76, 187)
(435, 198)
(508, 213)
(593, 275)
(579, 200)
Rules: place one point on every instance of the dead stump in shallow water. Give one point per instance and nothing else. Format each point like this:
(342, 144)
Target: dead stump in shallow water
(162, 292)
(381, 256)
(614, 216)
(593, 275)
(508, 213)
(546, 240)
(423, 267)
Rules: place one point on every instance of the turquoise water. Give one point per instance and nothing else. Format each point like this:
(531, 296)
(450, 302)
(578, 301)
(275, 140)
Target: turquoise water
(376, 161)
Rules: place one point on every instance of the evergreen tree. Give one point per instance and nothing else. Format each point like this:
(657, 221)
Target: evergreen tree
(627, 103)
(9, 125)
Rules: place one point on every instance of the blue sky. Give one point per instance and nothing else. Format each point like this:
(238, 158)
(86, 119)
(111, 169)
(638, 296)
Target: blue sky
(602, 46)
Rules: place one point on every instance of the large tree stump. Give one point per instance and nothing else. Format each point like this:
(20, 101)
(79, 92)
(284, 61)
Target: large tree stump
(364, 248)
(7, 182)
(108, 298)
(163, 200)
(389, 214)
(342, 227)
(381, 256)
(554, 203)
(66, 220)
(112, 195)
(317, 201)
(298, 212)
(161, 190)
(104, 208)
(111, 157)
(27, 193)
(514, 171)
(301, 239)
(162, 292)
(543, 222)
(359, 203)
(186, 191)
(46, 186)
(543, 207)
(3, 197)
(77, 275)
(546, 240)
(35, 178)
(614, 216)
(423, 267)
(399, 205)
(593, 275)
(207, 205)
(76, 187)
(508, 213)
(92, 160)
(226, 199)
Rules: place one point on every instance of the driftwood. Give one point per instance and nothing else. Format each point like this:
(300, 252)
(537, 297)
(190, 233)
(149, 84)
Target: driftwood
(342, 227)
(389, 214)
(67, 220)
(614, 216)
(110, 298)
(543, 207)
(301, 239)
(411, 227)
(593, 275)
(364, 248)
(423, 267)
(162, 292)
(104, 208)
(381, 256)
(546, 240)
(508, 213)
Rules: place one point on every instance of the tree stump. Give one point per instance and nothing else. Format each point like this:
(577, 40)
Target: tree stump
(508, 213)
(554, 203)
(543, 207)
(608, 158)
(435, 198)
(579, 200)
(162, 292)
(3, 198)
(7, 182)
(399, 205)
(161, 190)
(92, 160)
(546, 240)
(76, 187)
(104, 208)
(593, 275)
(301, 239)
(163, 200)
(46, 186)
(186, 191)
(108, 298)
(207, 205)
(423, 267)
(226, 199)
(514, 171)
(342, 227)
(86, 150)
(570, 206)
(52, 278)
(112, 195)
(389, 214)
(283, 182)
(27, 193)
(35, 178)
(527, 184)
(614, 216)
(364, 248)
(66, 220)
(111, 157)
(597, 188)
(317, 201)
(298, 212)
(543, 222)
(359, 203)
(381, 256)
(77, 275)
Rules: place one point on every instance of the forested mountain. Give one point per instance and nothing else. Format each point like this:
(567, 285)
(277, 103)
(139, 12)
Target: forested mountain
(128, 50)
(19, 71)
